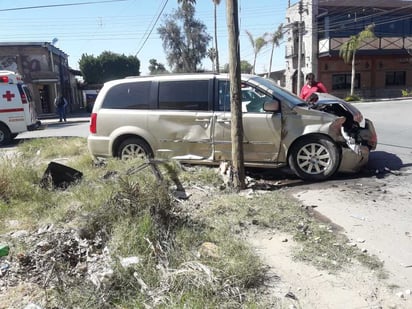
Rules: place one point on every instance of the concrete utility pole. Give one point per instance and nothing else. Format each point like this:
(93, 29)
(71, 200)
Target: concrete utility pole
(300, 35)
(235, 95)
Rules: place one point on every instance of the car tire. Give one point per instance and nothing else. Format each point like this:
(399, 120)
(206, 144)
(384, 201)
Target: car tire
(314, 158)
(5, 135)
(132, 148)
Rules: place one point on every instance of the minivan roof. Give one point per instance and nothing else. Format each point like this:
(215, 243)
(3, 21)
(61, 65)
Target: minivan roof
(174, 76)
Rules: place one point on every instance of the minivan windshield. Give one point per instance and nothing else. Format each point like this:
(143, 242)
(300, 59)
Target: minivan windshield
(280, 93)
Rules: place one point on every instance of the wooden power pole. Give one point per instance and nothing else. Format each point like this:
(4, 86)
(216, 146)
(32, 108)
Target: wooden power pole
(300, 34)
(238, 168)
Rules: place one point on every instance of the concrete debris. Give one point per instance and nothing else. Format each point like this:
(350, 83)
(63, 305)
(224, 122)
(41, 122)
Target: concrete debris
(32, 306)
(248, 193)
(50, 250)
(358, 217)
(208, 250)
(143, 286)
(129, 261)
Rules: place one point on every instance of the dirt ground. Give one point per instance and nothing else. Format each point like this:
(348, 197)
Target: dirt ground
(374, 211)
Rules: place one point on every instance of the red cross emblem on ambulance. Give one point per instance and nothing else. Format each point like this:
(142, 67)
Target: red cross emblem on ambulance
(8, 96)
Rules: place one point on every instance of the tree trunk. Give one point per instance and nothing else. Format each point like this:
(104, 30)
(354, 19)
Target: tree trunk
(352, 81)
(235, 95)
(271, 58)
(217, 50)
(254, 64)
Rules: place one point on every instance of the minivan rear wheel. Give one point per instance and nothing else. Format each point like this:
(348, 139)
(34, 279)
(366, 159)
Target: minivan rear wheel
(132, 148)
(314, 158)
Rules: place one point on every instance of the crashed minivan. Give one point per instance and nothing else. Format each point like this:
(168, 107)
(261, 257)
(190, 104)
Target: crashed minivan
(187, 117)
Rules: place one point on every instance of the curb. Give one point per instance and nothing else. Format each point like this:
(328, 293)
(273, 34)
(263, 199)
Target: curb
(69, 120)
(383, 100)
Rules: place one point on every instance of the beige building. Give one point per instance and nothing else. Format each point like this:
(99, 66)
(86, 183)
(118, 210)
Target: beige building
(383, 64)
(45, 69)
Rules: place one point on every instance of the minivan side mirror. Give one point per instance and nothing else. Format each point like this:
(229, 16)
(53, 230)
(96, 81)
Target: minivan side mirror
(272, 106)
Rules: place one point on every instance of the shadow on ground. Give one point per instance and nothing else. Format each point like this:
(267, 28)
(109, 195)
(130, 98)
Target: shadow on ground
(381, 164)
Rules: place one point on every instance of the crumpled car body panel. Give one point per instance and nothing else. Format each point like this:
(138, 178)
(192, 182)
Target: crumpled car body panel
(357, 136)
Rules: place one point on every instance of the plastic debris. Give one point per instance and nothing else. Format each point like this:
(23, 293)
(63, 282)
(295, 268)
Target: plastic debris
(4, 250)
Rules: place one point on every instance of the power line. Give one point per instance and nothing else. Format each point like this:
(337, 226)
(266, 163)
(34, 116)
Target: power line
(338, 24)
(151, 30)
(58, 5)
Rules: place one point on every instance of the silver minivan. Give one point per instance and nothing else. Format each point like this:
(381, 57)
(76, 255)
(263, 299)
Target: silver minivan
(187, 118)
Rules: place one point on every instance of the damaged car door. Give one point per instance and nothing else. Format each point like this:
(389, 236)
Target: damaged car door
(182, 124)
(261, 129)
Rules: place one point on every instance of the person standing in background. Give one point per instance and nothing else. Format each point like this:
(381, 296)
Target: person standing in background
(61, 103)
(311, 86)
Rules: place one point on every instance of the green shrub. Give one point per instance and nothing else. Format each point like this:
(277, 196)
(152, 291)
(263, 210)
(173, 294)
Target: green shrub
(352, 98)
(406, 92)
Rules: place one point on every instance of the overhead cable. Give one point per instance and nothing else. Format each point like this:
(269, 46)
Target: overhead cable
(58, 5)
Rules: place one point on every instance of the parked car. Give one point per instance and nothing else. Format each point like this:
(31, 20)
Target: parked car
(17, 108)
(187, 118)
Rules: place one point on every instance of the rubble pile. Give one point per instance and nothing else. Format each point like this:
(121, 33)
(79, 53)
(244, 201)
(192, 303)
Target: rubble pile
(49, 254)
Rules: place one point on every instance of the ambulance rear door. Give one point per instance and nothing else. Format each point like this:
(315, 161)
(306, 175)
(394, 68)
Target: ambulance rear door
(29, 106)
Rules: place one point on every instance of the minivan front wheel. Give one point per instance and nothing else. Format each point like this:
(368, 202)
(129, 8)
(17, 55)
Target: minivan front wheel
(132, 148)
(314, 158)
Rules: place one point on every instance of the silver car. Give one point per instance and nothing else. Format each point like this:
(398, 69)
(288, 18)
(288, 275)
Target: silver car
(187, 118)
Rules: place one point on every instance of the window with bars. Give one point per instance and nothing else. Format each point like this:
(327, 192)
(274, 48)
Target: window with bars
(343, 81)
(395, 78)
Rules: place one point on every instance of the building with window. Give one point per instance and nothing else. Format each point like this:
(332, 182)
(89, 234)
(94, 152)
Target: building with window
(317, 29)
(45, 69)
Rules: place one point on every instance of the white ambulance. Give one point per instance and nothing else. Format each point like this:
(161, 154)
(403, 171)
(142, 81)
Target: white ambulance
(17, 112)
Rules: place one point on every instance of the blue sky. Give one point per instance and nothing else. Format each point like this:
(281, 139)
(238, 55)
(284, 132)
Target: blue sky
(123, 27)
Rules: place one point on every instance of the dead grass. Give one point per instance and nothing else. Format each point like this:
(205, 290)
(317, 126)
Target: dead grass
(120, 211)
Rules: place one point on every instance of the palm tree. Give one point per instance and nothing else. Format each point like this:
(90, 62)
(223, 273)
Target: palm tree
(274, 39)
(211, 53)
(216, 3)
(348, 50)
(257, 45)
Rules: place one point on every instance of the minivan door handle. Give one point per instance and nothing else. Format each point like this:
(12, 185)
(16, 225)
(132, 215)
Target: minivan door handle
(226, 120)
(202, 119)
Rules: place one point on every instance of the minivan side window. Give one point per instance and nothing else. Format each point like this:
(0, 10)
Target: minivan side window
(252, 98)
(184, 95)
(128, 96)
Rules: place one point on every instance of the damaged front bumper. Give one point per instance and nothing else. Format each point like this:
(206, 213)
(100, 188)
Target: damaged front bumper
(355, 153)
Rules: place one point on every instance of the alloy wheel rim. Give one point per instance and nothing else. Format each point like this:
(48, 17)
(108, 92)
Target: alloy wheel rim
(314, 158)
(133, 151)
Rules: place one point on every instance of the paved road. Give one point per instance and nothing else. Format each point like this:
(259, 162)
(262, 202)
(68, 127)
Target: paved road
(75, 126)
(393, 125)
(376, 206)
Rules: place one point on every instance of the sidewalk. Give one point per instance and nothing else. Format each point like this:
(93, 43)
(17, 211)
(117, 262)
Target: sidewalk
(74, 117)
